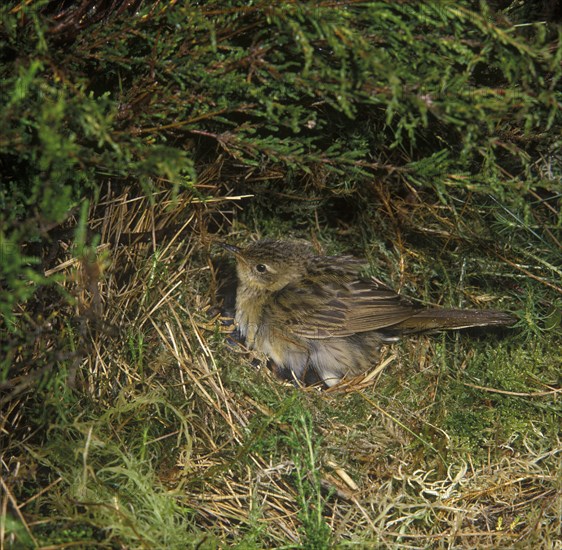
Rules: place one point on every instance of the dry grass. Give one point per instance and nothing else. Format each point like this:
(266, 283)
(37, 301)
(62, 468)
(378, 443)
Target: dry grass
(176, 439)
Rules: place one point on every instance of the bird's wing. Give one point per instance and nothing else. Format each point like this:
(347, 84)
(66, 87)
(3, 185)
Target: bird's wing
(329, 308)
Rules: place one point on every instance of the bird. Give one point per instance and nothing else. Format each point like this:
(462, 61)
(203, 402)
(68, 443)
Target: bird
(320, 319)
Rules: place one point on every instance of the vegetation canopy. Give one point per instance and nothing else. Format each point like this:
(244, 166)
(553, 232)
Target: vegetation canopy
(136, 135)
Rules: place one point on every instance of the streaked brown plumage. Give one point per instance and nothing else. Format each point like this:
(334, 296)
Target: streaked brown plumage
(318, 319)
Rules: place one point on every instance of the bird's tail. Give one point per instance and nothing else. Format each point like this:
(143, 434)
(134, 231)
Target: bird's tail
(449, 319)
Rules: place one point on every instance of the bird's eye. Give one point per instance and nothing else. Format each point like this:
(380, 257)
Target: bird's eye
(260, 268)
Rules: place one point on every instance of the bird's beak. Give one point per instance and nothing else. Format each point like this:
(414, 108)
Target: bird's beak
(237, 251)
(231, 248)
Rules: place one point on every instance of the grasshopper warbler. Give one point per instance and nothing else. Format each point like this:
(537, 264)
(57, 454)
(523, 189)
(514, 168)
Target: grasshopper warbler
(319, 319)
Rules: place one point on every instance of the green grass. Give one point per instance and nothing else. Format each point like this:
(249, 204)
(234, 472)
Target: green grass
(171, 437)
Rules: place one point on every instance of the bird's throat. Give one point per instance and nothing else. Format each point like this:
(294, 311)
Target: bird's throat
(249, 309)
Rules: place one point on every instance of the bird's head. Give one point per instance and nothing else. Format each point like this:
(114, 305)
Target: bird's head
(270, 265)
